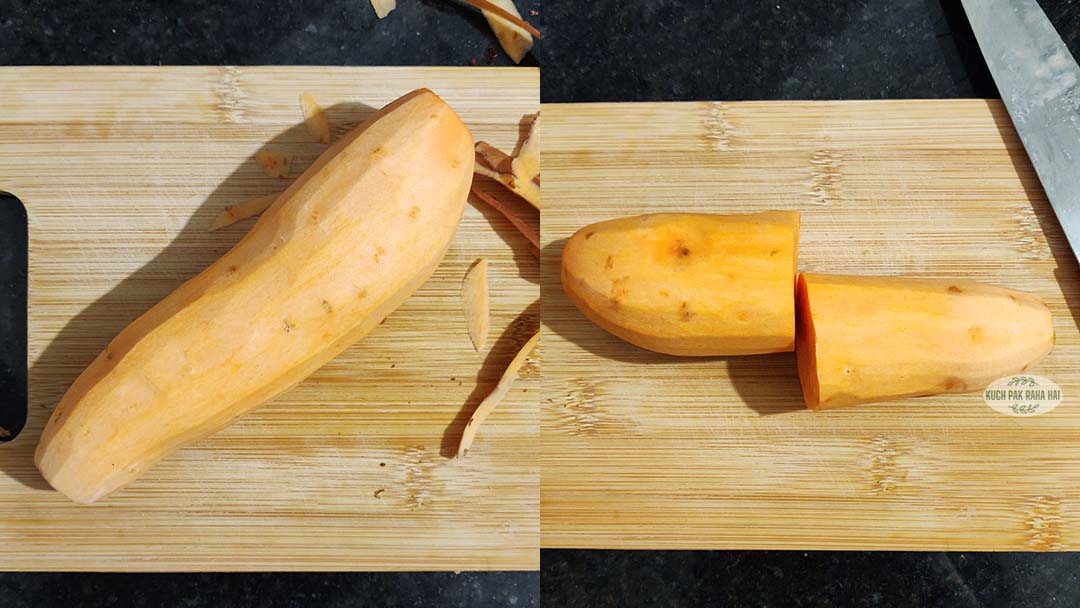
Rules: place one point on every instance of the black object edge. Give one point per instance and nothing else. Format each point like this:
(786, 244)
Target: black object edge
(13, 316)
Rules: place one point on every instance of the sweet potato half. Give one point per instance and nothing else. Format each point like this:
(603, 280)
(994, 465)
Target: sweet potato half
(867, 339)
(689, 284)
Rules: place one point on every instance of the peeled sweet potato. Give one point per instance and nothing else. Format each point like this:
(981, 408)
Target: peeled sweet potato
(867, 339)
(689, 284)
(336, 253)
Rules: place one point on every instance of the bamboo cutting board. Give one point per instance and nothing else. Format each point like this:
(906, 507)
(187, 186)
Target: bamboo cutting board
(641, 450)
(122, 171)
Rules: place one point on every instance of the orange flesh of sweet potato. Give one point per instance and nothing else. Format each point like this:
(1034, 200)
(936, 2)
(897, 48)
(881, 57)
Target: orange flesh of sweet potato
(805, 345)
(689, 284)
(336, 253)
(867, 339)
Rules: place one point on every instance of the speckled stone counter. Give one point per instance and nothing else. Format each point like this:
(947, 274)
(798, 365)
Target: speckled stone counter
(259, 590)
(294, 32)
(826, 579)
(749, 49)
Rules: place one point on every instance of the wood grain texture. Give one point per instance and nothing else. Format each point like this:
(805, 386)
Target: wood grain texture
(641, 450)
(122, 171)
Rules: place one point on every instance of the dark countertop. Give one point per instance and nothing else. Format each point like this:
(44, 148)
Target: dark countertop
(270, 589)
(666, 50)
(676, 579)
(275, 32)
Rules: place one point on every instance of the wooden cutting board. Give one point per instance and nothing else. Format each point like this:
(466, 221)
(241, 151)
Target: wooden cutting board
(641, 450)
(122, 170)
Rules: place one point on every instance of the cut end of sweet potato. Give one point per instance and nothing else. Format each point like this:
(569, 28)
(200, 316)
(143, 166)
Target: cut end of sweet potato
(866, 339)
(274, 164)
(806, 346)
(474, 300)
(501, 389)
(314, 118)
(383, 7)
(250, 208)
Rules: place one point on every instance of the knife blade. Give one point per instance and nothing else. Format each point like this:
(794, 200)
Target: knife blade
(1039, 82)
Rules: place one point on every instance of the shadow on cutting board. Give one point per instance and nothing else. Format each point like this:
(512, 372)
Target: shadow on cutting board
(495, 362)
(1067, 273)
(192, 249)
(524, 260)
(768, 384)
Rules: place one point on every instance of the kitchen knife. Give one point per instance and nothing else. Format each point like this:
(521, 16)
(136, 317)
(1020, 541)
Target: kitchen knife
(1039, 82)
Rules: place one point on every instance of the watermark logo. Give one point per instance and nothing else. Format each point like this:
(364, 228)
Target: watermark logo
(1023, 395)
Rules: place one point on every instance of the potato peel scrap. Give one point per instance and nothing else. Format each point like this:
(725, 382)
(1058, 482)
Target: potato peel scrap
(526, 165)
(520, 174)
(314, 118)
(234, 213)
(383, 7)
(498, 165)
(474, 299)
(274, 164)
(493, 162)
(488, 404)
(514, 39)
(522, 226)
(507, 11)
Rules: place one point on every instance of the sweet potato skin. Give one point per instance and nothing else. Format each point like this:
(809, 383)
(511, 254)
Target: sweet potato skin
(344, 246)
(689, 284)
(870, 339)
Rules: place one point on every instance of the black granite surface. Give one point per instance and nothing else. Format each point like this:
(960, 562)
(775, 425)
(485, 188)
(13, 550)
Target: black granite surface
(311, 32)
(266, 590)
(601, 579)
(669, 50)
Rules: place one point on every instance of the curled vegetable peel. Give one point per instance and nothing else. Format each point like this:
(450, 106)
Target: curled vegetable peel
(501, 389)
